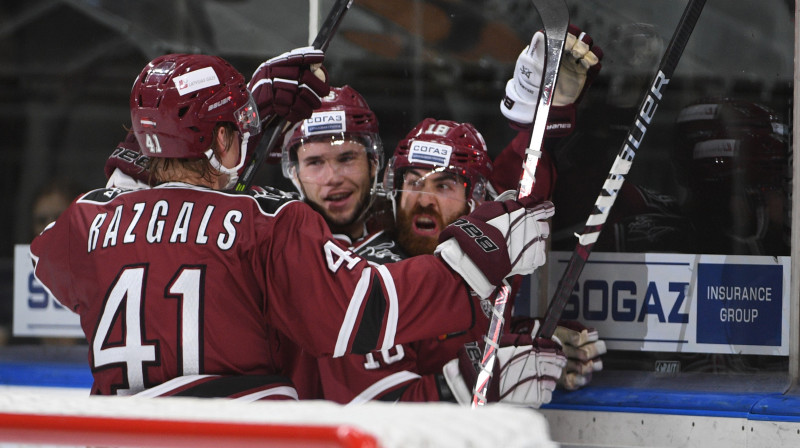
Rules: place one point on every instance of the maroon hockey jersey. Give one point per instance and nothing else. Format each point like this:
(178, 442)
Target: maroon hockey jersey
(405, 372)
(183, 280)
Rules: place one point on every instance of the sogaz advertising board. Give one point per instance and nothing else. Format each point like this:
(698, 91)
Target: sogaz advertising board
(682, 302)
(36, 313)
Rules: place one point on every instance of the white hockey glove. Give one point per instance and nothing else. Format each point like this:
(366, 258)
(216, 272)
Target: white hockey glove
(290, 85)
(581, 344)
(524, 373)
(497, 240)
(580, 63)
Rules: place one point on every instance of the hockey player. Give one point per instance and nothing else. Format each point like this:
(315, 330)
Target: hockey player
(399, 373)
(430, 193)
(182, 281)
(396, 375)
(333, 159)
(733, 155)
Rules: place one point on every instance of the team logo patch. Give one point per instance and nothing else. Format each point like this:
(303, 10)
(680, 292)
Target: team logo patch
(486, 307)
(430, 153)
(196, 80)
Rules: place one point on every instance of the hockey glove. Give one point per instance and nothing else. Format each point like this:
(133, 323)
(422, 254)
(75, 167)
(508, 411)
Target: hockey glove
(290, 85)
(580, 343)
(525, 371)
(497, 240)
(126, 167)
(580, 63)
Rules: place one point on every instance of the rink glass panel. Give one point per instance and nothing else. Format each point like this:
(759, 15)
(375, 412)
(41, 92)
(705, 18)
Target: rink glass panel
(725, 220)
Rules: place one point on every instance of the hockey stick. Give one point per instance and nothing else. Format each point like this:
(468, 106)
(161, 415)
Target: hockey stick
(274, 128)
(621, 166)
(555, 20)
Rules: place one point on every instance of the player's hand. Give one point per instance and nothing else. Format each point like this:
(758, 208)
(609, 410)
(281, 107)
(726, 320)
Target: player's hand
(290, 85)
(497, 240)
(525, 371)
(580, 64)
(580, 343)
(127, 158)
(583, 348)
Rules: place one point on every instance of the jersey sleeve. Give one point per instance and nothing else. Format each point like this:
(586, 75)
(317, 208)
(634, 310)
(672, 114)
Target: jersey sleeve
(333, 302)
(53, 245)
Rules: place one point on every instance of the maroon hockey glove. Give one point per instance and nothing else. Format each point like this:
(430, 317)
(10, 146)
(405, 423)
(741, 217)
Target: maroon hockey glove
(524, 373)
(290, 85)
(128, 158)
(497, 240)
(580, 64)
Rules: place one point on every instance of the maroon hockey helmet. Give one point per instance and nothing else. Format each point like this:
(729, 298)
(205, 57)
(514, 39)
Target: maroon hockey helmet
(177, 100)
(723, 140)
(447, 146)
(343, 115)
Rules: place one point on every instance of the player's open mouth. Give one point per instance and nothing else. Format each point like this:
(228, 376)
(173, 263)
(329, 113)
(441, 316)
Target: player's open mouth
(425, 225)
(338, 198)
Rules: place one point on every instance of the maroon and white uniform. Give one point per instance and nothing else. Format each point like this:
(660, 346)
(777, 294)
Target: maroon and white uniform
(405, 372)
(413, 372)
(182, 280)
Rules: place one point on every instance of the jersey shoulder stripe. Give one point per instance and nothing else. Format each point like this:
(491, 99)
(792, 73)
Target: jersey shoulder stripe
(101, 195)
(271, 200)
(379, 248)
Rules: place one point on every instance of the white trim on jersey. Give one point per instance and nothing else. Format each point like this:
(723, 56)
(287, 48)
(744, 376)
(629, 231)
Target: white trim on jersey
(286, 391)
(170, 385)
(352, 313)
(35, 260)
(392, 315)
(384, 384)
(361, 243)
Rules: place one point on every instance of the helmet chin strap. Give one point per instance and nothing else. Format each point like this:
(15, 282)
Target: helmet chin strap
(298, 186)
(232, 173)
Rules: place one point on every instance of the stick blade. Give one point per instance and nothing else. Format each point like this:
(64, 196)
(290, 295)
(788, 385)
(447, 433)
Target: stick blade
(554, 15)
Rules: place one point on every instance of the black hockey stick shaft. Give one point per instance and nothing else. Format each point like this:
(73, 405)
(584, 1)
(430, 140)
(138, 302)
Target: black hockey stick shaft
(621, 166)
(273, 130)
(555, 20)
